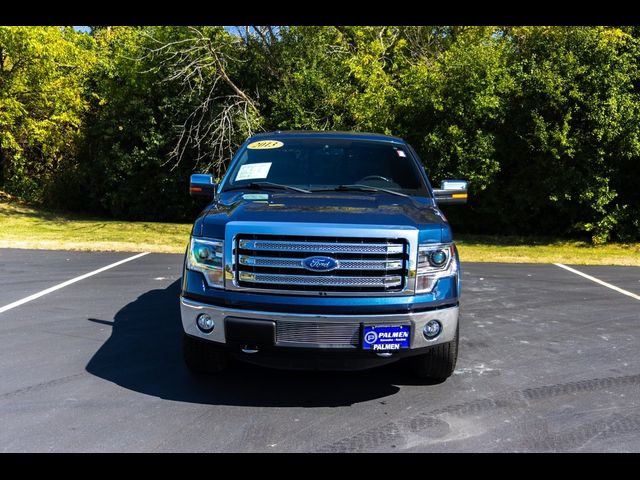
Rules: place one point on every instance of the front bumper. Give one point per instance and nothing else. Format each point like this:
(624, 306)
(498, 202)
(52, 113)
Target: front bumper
(448, 317)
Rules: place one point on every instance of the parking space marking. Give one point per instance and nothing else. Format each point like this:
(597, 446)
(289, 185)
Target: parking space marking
(598, 281)
(68, 282)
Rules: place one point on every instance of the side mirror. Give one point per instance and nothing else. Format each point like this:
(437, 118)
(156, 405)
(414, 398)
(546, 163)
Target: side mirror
(451, 192)
(202, 186)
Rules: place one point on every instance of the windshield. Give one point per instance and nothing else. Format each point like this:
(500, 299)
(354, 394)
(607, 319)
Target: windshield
(316, 164)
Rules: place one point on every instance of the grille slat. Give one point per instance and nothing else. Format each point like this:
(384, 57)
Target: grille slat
(272, 262)
(387, 281)
(276, 262)
(321, 247)
(324, 334)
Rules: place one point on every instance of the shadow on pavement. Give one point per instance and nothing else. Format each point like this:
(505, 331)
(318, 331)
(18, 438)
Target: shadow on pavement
(143, 354)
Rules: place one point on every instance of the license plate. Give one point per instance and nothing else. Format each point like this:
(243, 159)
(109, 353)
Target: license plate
(385, 338)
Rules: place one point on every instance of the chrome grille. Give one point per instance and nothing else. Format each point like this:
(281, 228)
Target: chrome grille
(271, 262)
(320, 247)
(317, 334)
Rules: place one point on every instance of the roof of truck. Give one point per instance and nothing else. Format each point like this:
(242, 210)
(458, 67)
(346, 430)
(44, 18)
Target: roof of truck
(327, 134)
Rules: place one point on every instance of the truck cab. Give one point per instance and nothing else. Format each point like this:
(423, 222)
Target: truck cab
(322, 250)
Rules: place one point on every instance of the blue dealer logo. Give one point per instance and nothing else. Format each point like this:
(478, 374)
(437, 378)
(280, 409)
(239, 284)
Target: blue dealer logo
(320, 264)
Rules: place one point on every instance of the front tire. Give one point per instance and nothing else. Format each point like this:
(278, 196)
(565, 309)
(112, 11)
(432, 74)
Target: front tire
(439, 362)
(200, 357)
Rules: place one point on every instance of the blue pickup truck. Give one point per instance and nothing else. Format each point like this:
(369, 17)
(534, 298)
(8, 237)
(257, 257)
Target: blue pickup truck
(322, 250)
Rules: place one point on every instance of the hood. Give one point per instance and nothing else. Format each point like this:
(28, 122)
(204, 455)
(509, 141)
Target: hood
(326, 207)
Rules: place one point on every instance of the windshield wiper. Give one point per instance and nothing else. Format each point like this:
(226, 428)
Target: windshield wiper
(359, 187)
(261, 185)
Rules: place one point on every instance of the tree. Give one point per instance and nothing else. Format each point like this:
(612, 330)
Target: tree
(572, 131)
(43, 71)
(543, 121)
(452, 102)
(205, 61)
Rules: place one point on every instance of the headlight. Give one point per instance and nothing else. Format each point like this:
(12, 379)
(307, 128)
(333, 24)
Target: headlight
(207, 256)
(434, 262)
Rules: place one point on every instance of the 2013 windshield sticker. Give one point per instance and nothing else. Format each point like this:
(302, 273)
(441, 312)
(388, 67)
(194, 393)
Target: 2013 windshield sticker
(265, 145)
(401, 153)
(253, 171)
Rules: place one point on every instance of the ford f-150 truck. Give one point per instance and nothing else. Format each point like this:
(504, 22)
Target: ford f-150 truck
(322, 250)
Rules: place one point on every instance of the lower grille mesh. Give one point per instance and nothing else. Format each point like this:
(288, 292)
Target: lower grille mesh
(312, 333)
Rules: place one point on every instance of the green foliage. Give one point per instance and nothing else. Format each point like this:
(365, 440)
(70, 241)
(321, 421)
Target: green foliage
(313, 87)
(43, 71)
(543, 121)
(123, 163)
(122, 166)
(453, 102)
(572, 127)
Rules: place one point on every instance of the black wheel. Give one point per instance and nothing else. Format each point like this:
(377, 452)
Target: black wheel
(200, 357)
(439, 362)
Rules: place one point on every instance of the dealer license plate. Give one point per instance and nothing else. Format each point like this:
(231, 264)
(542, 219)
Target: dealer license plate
(385, 338)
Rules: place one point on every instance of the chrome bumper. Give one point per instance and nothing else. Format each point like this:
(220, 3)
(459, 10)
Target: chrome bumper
(190, 309)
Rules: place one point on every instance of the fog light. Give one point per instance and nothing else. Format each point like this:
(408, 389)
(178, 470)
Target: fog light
(205, 323)
(432, 329)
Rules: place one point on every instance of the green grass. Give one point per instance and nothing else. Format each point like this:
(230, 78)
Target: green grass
(489, 248)
(25, 227)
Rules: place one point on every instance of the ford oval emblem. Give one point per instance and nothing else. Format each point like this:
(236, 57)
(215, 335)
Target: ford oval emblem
(320, 264)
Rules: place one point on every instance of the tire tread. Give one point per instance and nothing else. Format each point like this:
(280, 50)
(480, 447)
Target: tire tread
(439, 362)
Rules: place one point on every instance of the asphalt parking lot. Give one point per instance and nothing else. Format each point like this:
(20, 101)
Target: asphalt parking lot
(549, 361)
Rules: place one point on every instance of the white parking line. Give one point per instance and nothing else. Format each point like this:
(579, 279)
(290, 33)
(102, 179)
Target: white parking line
(68, 282)
(598, 281)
